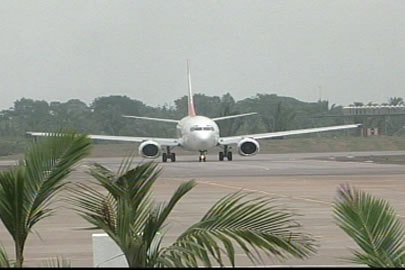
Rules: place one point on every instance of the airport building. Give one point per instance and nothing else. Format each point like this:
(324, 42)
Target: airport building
(381, 111)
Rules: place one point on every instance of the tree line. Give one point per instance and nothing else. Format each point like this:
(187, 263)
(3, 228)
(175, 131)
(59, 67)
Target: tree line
(103, 116)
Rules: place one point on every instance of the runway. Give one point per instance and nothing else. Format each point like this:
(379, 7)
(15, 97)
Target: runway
(299, 182)
(303, 164)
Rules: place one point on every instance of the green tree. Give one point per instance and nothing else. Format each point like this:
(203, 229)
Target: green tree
(108, 111)
(28, 190)
(394, 101)
(128, 215)
(73, 114)
(373, 224)
(30, 114)
(283, 116)
(229, 127)
(204, 105)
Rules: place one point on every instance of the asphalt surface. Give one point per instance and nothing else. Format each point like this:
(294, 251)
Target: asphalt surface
(300, 182)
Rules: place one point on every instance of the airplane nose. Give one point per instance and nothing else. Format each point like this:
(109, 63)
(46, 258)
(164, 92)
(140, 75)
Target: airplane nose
(205, 140)
(203, 136)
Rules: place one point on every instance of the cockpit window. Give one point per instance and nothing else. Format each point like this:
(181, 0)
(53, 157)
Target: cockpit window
(201, 128)
(195, 128)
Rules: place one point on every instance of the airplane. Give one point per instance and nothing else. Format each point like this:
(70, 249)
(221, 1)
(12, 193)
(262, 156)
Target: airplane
(200, 134)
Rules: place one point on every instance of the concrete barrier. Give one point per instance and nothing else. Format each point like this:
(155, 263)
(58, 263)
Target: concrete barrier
(106, 253)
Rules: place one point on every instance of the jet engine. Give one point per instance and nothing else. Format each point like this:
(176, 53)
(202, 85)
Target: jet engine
(149, 149)
(248, 147)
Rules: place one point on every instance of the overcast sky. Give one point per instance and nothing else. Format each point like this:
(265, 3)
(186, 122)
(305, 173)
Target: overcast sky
(341, 51)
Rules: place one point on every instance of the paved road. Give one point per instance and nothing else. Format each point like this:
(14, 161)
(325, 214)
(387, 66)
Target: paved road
(297, 181)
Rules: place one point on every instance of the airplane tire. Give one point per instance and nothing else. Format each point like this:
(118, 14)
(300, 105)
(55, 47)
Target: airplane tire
(173, 157)
(229, 156)
(164, 157)
(202, 158)
(221, 156)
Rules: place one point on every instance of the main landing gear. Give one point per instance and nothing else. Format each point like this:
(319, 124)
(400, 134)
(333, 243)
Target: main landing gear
(226, 153)
(203, 156)
(168, 154)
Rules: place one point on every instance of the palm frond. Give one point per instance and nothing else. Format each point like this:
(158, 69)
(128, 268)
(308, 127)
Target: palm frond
(374, 225)
(152, 232)
(13, 201)
(125, 166)
(99, 209)
(27, 190)
(4, 259)
(253, 224)
(49, 162)
(178, 194)
(135, 184)
(57, 262)
(126, 208)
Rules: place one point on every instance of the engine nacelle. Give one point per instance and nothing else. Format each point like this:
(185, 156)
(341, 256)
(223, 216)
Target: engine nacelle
(149, 149)
(248, 147)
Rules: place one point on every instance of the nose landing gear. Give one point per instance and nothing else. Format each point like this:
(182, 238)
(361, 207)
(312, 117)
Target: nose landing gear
(203, 156)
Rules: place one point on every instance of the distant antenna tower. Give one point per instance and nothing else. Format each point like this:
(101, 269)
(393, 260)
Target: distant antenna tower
(320, 93)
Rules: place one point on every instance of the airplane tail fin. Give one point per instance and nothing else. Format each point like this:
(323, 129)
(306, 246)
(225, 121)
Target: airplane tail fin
(191, 108)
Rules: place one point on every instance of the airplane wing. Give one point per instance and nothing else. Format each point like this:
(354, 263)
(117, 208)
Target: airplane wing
(236, 139)
(161, 141)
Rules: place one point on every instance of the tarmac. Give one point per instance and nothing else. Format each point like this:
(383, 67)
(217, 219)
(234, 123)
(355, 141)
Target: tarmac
(300, 182)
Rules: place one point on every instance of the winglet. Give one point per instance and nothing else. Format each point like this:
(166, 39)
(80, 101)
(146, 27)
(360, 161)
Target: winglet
(191, 108)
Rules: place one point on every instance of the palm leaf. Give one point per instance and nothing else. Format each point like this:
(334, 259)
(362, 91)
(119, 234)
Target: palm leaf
(4, 260)
(57, 262)
(27, 190)
(123, 212)
(48, 163)
(373, 224)
(152, 232)
(166, 209)
(254, 224)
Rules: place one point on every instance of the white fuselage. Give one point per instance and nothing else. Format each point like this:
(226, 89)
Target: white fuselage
(198, 133)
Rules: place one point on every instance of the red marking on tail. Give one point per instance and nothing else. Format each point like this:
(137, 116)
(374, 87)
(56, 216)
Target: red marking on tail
(191, 108)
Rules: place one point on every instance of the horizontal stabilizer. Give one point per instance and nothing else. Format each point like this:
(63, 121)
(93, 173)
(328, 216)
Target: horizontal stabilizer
(233, 116)
(152, 119)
